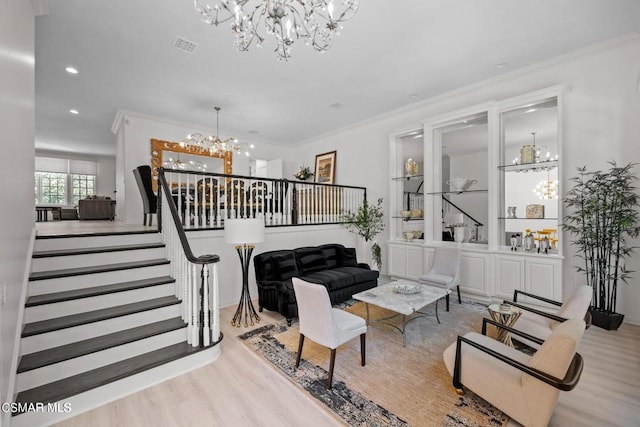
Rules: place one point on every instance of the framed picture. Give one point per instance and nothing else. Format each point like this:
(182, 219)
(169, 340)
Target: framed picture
(325, 171)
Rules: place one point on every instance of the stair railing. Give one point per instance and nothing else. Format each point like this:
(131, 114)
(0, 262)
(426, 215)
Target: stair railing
(448, 204)
(198, 292)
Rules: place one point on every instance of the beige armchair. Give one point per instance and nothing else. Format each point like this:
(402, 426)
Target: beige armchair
(524, 387)
(540, 324)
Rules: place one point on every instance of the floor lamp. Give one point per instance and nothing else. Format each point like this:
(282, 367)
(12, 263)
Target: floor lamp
(243, 233)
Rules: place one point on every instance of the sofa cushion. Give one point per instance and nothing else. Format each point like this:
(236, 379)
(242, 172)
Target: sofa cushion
(285, 266)
(359, 274)
(310, 260)
(331, 255)
(348, 258)
(331, 279)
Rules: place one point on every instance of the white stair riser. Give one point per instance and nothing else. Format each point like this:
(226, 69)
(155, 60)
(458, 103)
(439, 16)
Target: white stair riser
(68, 368)
(66, 308)
(47, 286)
(78, 333)
(89, 260)
(95, 241)
(118, 389)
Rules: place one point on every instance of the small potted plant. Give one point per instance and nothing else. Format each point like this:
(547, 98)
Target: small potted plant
(304, 173)
(603, 216)
(367, 223)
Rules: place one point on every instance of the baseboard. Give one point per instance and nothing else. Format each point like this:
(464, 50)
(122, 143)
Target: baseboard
(6, 417)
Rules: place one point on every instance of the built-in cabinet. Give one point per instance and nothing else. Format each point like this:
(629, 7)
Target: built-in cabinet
(498, 154)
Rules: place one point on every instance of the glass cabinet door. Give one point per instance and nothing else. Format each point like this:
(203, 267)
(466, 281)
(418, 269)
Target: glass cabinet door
(529, 158)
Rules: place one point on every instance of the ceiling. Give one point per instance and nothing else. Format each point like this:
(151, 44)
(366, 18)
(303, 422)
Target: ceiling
(391, 50)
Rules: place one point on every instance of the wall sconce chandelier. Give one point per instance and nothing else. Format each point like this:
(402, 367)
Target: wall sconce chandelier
(214, 144)
(314, 21)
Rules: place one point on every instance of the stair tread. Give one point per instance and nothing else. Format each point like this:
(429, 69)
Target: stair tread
(101, 249)
(54, 297)
(94, 234)
(80, 348)
(77, 271)
(86, 381)
(64, 322)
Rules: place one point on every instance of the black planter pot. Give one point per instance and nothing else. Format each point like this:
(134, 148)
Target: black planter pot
(606, 320)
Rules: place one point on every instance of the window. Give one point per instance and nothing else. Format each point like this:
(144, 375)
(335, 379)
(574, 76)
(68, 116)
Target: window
(51, 188)
(82, 186)
(64, 181)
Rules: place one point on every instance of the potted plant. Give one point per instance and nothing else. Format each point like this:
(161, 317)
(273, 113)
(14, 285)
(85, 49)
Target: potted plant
(603, 216)
(367, 223)
(304, 173)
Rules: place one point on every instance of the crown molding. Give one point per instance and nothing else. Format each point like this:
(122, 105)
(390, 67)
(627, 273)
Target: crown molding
(40, 7)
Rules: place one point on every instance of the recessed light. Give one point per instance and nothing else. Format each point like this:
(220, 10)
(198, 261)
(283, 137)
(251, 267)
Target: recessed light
(71, 70)
(502, 65)
(74, 111)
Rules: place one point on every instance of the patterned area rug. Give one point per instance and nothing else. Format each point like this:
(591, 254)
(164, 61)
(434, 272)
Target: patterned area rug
(398, 386)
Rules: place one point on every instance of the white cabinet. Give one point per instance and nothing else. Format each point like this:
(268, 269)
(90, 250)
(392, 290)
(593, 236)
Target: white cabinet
(406, 261)
(474, 273)
(540, 275)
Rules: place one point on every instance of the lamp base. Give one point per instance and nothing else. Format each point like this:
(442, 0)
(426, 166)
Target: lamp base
(245, 306)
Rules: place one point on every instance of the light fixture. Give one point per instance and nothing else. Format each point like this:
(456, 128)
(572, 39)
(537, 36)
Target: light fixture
(75, 112)
(244, 232)
(214, 144)
(547, 189)
(71, 70)
(314, 21)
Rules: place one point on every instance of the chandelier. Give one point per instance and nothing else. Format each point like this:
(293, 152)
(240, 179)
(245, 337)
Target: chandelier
(314, 21)
(214, 144)
(547, 189)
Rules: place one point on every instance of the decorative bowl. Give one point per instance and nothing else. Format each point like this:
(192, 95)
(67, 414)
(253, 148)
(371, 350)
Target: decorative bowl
(406, 289)
(505, 307)
(416, 213)
(405, 214)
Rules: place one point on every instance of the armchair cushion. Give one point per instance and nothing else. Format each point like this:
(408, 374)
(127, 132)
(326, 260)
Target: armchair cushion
(310, 260)
(576, 306)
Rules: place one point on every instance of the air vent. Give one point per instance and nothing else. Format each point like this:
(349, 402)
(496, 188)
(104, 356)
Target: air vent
(185, 45)
(336, 105)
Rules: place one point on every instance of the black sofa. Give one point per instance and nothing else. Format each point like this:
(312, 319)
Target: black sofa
(331, 265)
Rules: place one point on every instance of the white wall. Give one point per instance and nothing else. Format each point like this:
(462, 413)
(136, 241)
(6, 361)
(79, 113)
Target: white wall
(134, 132)
(601, 110)
(16, 174)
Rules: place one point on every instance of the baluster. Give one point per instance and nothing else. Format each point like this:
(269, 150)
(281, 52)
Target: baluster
(206, 331)
(215, 303)
(218, 203)
(195, 330)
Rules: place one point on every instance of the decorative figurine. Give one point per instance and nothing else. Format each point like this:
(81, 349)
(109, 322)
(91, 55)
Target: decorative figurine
(528, 242)
(514, 242)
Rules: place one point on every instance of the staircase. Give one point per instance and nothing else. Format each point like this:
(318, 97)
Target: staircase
(101, 321)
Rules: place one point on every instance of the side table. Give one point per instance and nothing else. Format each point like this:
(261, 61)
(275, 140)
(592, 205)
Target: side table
(504, 316)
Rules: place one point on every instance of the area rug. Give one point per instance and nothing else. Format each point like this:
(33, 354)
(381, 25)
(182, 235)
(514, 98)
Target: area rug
(399, 385)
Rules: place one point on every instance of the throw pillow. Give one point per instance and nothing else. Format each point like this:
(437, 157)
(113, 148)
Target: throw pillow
(349, 258)
(310, 260)
(331, 256)
(285, 266)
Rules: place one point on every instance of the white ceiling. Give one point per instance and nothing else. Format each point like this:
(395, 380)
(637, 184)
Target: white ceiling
(388, 51)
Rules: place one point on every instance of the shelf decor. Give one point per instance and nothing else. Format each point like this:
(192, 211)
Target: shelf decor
(304, 173)
(535, 211)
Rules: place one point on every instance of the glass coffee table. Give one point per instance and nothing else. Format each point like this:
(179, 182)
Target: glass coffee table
(392, 296)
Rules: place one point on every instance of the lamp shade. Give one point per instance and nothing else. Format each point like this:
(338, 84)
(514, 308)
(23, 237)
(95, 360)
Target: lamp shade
(247, 231)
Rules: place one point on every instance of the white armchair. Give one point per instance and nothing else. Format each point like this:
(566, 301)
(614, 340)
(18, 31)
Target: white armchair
(324, 324)
(524, 387)
(541, 323)
(445, 271)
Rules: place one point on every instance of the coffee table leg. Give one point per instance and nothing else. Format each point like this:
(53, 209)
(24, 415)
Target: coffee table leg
(404, 335)
(366, 304)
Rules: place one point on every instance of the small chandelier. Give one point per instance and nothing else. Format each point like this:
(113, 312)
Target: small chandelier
(214, 144)
(314, 21)
(547, 189)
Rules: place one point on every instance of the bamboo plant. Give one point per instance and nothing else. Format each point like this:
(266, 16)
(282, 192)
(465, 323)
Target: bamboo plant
(603, 216)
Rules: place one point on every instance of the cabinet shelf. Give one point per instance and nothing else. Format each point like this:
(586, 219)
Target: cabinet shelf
(529, 219)
(417, 218)
(407, 178)
(459, 192)
(535, 167)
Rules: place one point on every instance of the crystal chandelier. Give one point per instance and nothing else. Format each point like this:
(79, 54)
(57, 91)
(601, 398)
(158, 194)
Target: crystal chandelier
(547, 189)
(214, 144)
(314, 21)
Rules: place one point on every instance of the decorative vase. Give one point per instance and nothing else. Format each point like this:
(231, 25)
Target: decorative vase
(459, 234)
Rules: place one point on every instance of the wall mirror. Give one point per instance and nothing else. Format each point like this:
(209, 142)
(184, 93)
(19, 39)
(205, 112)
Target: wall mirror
(529, 156)
(172, 155)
